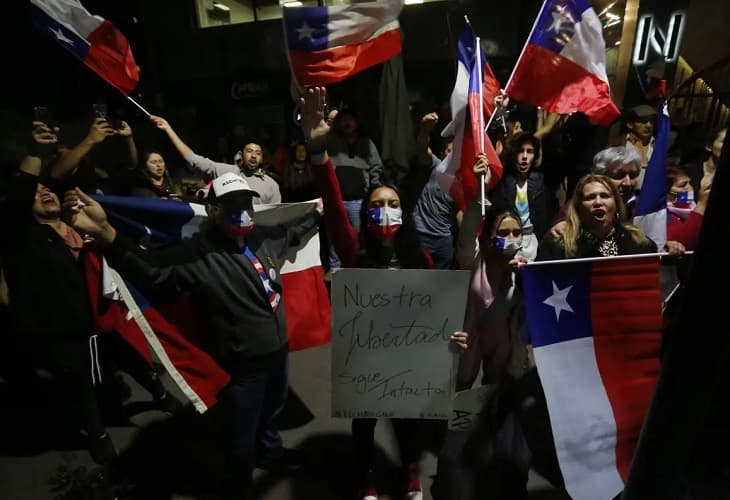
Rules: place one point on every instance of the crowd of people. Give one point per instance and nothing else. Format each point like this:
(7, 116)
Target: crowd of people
(367, 219)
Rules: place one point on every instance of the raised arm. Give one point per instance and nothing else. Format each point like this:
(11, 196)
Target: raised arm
(467, 246)
(69, 161)
(201, 163)
(316, 125)
(149, 270)
(423, 139)
(126, 132)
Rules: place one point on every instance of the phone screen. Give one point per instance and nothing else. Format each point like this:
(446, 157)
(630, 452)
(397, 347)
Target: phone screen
(42, 114)
(100, 111)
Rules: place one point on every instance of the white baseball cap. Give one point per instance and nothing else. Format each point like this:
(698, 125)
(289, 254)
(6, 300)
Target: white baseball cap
(225, 184)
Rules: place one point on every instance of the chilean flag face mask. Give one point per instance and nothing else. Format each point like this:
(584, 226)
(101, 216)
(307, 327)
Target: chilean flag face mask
(383, 223)
(238, 223)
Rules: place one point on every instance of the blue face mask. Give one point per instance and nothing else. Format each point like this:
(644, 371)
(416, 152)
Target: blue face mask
(507, 246)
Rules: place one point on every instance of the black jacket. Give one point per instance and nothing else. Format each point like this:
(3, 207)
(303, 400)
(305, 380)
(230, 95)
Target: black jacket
(49, 305)
(244, 333)
(552, 249)
(543, 203)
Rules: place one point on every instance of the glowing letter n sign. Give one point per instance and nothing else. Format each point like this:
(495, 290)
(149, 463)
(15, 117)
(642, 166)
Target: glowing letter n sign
(649, 35)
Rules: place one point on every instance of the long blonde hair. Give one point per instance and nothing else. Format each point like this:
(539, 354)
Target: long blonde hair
(573, 229)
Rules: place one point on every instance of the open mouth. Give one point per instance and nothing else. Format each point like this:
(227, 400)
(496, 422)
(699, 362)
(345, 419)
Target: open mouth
(48, 200)
(598, 214)
(523, 165)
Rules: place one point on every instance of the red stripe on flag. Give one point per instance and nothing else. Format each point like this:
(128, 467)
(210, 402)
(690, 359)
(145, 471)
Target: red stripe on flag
(334, 65)
(546, 79)
(627, 320)
(111, 57)
(307, 308)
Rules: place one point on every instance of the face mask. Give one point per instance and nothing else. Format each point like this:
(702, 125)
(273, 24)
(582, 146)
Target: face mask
(506, 245)
(383, 223)
(238, 224)
(683, 205)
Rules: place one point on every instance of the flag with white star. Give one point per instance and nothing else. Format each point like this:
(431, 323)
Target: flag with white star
(563, 65)
(91, 39)
(595, 327)
(329, 44)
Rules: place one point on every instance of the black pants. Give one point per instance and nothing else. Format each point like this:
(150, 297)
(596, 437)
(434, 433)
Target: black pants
(407, 433)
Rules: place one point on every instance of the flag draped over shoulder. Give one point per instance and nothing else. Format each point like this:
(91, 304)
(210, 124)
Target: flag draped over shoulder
(455, 172)
(563, 65)
(651, 209)
(171, 329)
(329, 44)
(91, 39)
(596, 333)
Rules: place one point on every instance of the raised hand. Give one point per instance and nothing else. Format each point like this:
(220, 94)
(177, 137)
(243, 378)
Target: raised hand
(84, 214)
(100, 130)
(42, 133)
(429, 121)
(481, 167)
(125, 130)
(316, 122)
(501, 100)
(160, 123)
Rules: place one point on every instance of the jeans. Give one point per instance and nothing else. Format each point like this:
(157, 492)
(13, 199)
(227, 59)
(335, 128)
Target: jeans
(352, 207)
(441, 249)
(253, 403)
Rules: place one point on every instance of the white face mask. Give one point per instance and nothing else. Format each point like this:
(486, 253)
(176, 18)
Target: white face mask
(384, 223)
(507, 246)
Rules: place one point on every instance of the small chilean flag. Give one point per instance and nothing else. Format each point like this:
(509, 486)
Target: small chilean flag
(455, 173)
(329, 44)
(596, 334)
(91, 39)
(563, 65)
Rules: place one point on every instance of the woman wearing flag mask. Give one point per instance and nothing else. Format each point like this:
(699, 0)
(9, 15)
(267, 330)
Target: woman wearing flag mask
(389, 241)
(684, 213)
(498, 459)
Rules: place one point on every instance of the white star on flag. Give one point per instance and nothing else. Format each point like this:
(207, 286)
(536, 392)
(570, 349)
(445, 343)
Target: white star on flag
(559, 300)
(61, 36)
(305, 31)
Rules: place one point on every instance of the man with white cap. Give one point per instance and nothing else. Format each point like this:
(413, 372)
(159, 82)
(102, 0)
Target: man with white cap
(230, 271)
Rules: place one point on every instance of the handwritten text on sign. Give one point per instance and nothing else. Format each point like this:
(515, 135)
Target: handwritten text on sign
(391, 349)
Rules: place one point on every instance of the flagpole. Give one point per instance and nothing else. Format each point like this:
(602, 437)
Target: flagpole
(524, 47)
(595, 259)
(480, 70)
(147, 113)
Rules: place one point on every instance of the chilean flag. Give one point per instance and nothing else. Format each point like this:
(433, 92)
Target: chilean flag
(455, 173)
(596, 334)
(91, 39)
(563, 65)
(170, 329)
(651, 209)
(329, 44)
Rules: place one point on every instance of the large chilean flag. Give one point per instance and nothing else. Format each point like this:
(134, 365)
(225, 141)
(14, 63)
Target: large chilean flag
(596, 333)
(91, 39)
(563, 65)
(329, 44)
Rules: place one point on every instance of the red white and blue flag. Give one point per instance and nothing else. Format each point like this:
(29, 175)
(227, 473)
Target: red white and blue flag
(596, 333)
(474, 80)
(563, 65)
(170, 329)
(91, 39)
(651, 209)
(329, 44)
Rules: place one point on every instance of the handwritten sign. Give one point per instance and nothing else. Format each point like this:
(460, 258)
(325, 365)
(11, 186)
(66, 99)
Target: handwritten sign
(468, 406)
(391, 350)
